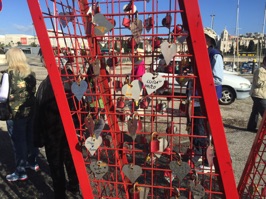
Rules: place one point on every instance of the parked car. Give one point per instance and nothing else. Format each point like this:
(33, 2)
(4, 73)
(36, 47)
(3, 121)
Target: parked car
(233, 87)
(246, 67)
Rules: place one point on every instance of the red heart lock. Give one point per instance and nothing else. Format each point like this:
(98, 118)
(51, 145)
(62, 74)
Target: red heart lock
(177, 29)
(126, 22)
(120, 102)
(159, 106)
(134, 192)
(169, 68)
(166, 22)
(157, 42)
(144, 104)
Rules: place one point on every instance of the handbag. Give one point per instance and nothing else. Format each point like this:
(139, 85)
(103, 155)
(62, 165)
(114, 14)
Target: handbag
(5, 111)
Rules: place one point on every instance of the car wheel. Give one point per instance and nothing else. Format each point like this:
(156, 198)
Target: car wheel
(228, 96)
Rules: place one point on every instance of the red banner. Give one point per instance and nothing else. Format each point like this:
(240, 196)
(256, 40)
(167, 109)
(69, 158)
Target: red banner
(23, 40)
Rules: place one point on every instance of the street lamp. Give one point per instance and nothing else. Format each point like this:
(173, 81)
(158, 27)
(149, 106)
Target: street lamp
(212, 20)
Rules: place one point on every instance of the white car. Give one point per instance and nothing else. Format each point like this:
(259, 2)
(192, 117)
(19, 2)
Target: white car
(233, 87)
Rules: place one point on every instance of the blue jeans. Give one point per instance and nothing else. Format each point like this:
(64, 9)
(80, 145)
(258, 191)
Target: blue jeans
(21, 133)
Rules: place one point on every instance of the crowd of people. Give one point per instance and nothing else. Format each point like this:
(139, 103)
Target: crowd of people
(35, 110)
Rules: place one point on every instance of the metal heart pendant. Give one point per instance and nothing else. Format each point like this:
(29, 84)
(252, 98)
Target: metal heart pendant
(99, 169)
(132, 172)
(132, 125)
(152, 82)
(92, 144)
(168, 51)
(132, 90)
(79, 89)
(179, 169)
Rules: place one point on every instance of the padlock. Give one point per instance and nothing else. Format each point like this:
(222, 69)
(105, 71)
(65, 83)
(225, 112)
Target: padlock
(120, 102)
(159, 106)
(144, 104)
(154, 144)
(134, 192)
(177, 29)
(118, 85)
(139, 123)
(157, 42)
(126, 22)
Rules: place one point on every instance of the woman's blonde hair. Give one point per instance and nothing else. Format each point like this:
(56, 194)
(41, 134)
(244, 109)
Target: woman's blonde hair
(17, 62)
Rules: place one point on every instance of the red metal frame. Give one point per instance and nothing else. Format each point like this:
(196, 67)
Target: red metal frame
(253, 180)
(123, 151)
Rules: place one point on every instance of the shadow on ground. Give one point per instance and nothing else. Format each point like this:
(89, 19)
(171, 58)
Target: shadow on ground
(38, 185)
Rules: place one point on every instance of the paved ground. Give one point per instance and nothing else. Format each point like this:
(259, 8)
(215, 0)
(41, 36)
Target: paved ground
(39, 183)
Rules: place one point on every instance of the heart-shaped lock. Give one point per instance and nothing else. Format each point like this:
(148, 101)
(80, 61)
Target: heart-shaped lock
(98, 127)
(79, 88)
(152, 82)
(168, 51)
(126, 22)
(65, 17)
(99, 169)
(132, 126)
(132, 172)
(144, 103)
(120, 102)
(92, 144)
(163, 143)
(167, 20)
(154, 144)
(159, 106)
(148, 23)
(177, 29)
(132, 90)
(156, 42)
(103, 25)
(89, 124)
(179, 169)
(195, 187)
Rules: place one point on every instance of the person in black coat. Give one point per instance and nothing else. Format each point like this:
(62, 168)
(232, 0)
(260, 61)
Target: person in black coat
(49, 132)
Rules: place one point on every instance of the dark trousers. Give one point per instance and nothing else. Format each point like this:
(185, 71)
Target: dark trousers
(59, 155)
(200, 144)
(259, 106)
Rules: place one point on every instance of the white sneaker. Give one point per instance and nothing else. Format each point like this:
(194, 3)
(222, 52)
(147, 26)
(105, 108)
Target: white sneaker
(206, 169)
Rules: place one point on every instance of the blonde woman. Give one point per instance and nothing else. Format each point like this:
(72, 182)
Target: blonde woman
(21, 101)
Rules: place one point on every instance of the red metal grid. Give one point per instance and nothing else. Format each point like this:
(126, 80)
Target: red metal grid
(68, 26)
(253, 181)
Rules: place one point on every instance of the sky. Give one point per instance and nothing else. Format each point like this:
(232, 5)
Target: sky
(16, 19)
